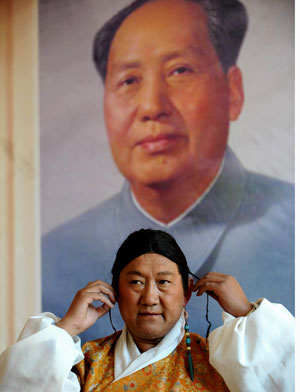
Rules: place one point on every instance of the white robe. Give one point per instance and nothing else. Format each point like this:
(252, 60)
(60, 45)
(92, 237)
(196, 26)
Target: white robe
(252, 354)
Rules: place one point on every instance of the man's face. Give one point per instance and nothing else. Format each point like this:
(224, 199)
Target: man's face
(151, 296)
(166, 95)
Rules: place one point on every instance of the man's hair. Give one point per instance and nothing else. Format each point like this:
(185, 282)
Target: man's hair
(227, 26)
(146, 241)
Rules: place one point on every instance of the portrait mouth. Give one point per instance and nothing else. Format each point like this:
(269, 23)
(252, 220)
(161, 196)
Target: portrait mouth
(159, 143)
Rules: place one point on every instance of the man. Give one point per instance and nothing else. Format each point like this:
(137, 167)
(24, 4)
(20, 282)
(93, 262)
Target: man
(171, 90)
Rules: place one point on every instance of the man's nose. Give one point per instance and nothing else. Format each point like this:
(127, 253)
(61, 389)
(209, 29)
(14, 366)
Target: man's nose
(150, 295)
(154, 101)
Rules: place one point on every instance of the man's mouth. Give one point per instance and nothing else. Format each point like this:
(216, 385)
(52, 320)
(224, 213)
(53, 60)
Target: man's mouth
(159, 143)
(148, 314)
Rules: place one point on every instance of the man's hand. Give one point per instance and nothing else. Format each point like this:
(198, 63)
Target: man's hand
(82, 314)
(226, 290)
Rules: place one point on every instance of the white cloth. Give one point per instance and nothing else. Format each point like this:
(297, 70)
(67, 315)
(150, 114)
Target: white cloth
(128, 358)
(42, 359)
(255, 353)
(252, 354)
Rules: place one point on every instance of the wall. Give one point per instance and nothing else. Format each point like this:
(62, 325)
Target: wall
(19, 167)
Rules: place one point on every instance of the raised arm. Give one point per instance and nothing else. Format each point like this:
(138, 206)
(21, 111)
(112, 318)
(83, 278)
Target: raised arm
(226, 290)
(82, 313)
(44, 354)
(253, 350)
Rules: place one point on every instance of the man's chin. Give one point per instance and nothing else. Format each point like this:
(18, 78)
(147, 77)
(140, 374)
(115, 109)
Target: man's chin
(151, 334)
(156, 181)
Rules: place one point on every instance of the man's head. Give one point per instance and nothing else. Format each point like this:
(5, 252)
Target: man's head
(227, 25)
(145, 241)
(151, 278)
(168, 97)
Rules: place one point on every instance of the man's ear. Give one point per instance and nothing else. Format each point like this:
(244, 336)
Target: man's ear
(236, 92)
(188, 291)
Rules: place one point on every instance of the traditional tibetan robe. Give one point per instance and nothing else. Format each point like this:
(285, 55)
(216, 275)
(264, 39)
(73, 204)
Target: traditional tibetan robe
(96, 371)
(254, 353)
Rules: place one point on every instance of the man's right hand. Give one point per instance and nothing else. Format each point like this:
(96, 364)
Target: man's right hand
(82, 314)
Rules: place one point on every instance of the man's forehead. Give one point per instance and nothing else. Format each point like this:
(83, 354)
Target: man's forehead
(132, 60)
(154, 29)
(143, 273)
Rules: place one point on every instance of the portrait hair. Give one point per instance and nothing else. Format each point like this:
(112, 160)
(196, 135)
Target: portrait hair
(146, 241)
(227, 25)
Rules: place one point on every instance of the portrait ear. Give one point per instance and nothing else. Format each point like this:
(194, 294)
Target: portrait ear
(236, 92)
(188, 291)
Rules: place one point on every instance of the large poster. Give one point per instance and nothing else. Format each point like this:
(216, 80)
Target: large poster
(156, 156)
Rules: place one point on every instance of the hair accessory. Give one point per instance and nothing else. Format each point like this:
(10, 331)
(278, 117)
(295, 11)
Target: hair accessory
(207, 319)
(206, 315)
(188, 346)
(110, 319)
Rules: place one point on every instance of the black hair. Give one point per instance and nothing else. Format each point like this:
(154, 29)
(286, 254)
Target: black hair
(227, 25)
(146, 241)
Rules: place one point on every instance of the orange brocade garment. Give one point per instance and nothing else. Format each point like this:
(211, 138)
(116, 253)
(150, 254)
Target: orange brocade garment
(96, 371)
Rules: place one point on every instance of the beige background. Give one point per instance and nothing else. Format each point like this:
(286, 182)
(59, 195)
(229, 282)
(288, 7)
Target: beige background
(77, 170)
(19, 167)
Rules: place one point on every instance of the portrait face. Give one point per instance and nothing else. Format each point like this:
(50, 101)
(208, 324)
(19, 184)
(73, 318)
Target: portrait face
(167, 100)
(151, 296)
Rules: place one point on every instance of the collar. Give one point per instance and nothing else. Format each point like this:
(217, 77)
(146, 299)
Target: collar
(128, 358)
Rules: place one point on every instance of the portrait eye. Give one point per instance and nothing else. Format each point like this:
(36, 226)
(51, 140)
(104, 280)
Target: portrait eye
(181, 70)
(129, 81)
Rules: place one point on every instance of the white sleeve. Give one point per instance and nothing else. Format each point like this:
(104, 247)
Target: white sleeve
(255, 353)
(42, 359)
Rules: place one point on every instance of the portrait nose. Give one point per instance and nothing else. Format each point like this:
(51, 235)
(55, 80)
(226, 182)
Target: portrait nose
(150, 295)
(154, 101)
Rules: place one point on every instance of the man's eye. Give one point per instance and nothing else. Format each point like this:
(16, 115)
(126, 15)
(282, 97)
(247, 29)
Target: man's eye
(128, 81)
(136, 282)
(181, 70)
(164, 282)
